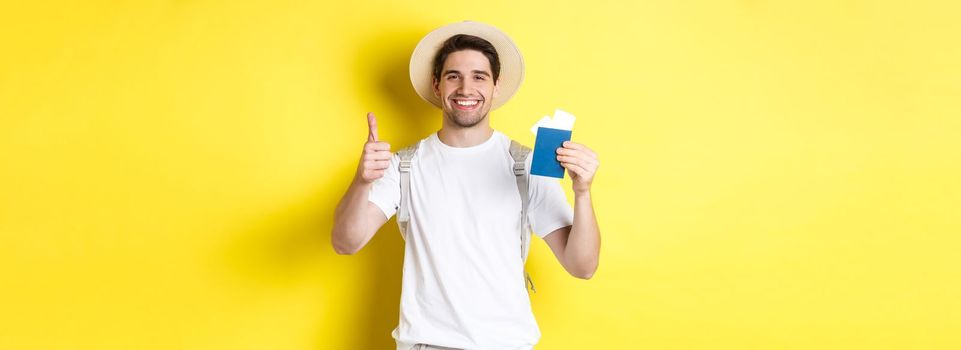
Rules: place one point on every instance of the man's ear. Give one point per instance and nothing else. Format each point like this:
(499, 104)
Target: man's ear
(435, 83)
(497, 84)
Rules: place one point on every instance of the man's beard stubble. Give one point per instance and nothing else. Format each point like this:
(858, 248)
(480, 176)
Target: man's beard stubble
(464, 122)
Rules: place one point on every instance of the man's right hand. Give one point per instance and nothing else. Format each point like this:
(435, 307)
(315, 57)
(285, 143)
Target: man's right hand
(376, 157)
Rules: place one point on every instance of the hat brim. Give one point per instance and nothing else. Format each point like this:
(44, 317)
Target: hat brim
(512, 63)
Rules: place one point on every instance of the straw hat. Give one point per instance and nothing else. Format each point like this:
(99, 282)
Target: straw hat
(512, 63)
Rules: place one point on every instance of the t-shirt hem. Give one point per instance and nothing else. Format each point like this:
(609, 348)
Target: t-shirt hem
(554, 228)
(387, 208)
(407, 346)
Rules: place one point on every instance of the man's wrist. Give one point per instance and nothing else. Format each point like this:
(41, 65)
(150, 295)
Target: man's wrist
(582, 194)
(359, 182)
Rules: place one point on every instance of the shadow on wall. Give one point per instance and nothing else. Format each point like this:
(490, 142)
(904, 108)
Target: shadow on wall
(390, 82)
(292, 245)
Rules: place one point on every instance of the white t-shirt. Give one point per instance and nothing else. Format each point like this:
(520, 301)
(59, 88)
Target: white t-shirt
(463, 282)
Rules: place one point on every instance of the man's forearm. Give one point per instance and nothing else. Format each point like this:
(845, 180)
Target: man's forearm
(583, 245)
(350, 226)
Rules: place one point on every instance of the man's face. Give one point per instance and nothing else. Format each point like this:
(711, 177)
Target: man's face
(466, 88)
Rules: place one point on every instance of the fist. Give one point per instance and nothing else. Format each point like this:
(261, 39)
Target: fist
(376, 156)
(581, 163)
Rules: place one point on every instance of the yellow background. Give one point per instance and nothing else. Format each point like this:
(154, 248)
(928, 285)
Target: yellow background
(775, 174)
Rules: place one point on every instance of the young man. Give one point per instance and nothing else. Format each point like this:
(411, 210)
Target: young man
(463, 280)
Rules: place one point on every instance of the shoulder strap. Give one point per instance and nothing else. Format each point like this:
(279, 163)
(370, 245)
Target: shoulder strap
(519, 152)
(403, 214)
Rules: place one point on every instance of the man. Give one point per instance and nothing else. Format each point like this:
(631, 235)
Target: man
(463, 282)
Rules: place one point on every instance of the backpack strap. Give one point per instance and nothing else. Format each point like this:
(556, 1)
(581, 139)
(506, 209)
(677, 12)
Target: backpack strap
(519, 152)
(403, 215)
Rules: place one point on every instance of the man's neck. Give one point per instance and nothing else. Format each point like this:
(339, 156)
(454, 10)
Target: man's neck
(465, 137)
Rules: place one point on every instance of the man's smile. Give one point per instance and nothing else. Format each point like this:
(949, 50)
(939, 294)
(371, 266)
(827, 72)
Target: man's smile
(466, 104)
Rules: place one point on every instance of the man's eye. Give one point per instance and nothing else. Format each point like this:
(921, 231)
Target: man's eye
(479, 77)
(452, 76)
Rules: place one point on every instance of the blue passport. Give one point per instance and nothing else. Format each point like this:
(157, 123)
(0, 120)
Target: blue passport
(545, 152)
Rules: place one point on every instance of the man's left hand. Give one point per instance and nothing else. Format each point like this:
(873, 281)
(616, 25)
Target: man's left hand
(581, 163)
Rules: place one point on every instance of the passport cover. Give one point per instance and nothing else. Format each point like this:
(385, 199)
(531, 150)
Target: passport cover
(545, 161)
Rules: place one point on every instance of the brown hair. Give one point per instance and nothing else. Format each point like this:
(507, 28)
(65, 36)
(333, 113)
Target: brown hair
(461, 42)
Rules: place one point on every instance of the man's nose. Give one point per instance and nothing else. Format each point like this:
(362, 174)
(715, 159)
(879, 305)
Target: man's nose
(464, 86)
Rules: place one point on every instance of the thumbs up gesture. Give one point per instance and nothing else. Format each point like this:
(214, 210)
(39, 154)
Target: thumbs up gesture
(376, 156)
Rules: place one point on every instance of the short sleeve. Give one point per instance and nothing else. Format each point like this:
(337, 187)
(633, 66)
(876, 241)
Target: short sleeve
(385, 192)
(549, 209)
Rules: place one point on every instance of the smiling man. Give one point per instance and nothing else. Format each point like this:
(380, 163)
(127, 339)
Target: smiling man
(465, 82)
(466, 203)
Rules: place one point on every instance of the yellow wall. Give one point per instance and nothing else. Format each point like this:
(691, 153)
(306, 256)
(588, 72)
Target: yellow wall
(775, 174)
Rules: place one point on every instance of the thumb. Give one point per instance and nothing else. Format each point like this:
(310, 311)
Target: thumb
(372, 127)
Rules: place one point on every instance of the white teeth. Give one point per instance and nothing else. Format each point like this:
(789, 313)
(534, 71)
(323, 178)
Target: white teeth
(466, 103)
